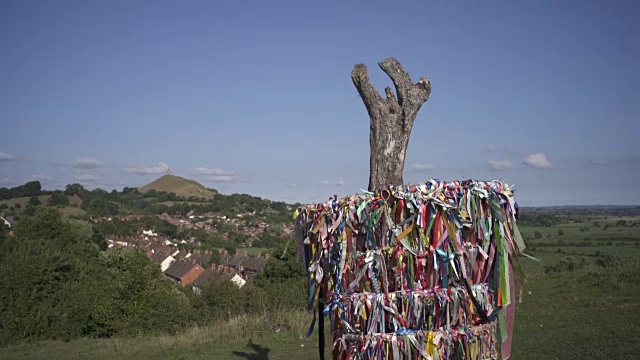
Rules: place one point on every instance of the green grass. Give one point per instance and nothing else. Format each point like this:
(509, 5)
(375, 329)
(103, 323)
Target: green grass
(23, 201)
(588, 314)
(180, 186)
(584, 231)
(591, 313)
(278, 336)
(72, 210)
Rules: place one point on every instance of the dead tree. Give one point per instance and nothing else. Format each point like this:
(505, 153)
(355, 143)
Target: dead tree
(391, 120)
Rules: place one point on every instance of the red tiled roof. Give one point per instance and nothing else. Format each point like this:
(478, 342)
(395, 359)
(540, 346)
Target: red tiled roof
(215, 276)
(179, 269)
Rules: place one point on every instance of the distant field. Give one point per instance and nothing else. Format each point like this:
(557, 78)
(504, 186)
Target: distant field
(582, 232)
(554, 244)
(23, 201)
(71, 210)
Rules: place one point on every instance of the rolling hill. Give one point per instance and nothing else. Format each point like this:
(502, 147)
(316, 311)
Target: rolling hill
(180, 186)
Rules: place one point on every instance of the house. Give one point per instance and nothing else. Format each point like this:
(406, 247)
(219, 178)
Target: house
(245, 264)
(5, 222)
(203, 258)
(118, 241)
(164, 265)
(218, 275)
(238, 280)
(165, 260)
(149, 233)
(184, 272)
(254, 265)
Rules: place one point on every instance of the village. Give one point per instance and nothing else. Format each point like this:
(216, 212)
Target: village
(192, 248)
(185, 263)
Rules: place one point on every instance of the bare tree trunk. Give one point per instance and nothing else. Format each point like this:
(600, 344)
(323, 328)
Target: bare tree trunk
(391, 120)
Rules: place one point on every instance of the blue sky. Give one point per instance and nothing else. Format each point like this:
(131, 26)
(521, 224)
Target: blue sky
(256, 97)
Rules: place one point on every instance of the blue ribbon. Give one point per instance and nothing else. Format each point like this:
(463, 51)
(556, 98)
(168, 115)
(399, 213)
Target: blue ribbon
(446, 258)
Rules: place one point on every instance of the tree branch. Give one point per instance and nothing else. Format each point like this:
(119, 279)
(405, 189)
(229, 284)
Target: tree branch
(369, 94)
(410, 96)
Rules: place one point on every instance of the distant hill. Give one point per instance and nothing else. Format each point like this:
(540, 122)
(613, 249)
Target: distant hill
(180, 186)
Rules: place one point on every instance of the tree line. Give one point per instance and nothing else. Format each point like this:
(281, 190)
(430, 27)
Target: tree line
(102, 203)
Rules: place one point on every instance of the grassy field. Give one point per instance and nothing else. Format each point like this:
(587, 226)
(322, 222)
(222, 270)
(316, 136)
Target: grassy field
(590, 312)
(72, 210)
(180, 186)
(270, 336)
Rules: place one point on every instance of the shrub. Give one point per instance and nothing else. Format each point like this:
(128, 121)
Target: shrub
(566, 265)
(608, 261)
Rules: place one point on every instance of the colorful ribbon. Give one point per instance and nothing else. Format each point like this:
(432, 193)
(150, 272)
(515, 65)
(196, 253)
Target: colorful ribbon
(410, 265)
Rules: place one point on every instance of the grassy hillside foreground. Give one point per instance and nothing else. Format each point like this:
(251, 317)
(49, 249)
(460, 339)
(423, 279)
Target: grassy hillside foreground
(590, 313)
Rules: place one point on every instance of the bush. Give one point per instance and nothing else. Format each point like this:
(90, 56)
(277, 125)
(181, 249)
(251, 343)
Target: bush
(34, 201)
(75, 290)
(567, 264)
(58, 199)
(608, 261)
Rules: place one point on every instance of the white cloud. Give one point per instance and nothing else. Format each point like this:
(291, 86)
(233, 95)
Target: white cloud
(222, 178)
(86, 164)
(538, 161)
(600, 162)
(206, 171)
(217, 175)
(147, 170)
(500, 165)
(88, 178)
(293, 186)
(6, 157)
(422, 167)
(330, 183)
